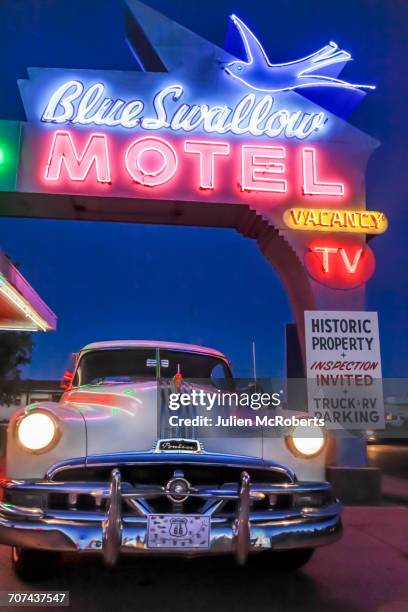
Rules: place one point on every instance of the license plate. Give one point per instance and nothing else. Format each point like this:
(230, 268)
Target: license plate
(180, 531)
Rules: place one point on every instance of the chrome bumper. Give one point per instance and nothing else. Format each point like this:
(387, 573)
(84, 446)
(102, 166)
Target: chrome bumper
(112, 533)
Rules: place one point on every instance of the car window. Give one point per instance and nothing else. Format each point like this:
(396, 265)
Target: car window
(127, 365)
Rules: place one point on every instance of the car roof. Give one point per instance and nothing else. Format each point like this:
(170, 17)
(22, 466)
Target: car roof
(175, 346)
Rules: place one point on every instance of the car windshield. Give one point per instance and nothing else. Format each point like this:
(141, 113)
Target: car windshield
(116, 366)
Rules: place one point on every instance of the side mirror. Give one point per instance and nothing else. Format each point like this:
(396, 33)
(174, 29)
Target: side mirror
(66, 381)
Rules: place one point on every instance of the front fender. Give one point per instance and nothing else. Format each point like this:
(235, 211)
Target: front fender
(72, 442)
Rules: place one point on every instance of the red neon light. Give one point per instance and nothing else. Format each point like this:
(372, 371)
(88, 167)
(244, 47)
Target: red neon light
(142, 165)
(340, 264)
(240, 172)
(207, 151)
(325, 256)
(351, 267)
(94, 154)
(311, 184)
(258, 164)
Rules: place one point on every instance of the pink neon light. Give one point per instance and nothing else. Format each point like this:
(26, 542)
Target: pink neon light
(139, 172)
(258, 164)
(95, 153)
(207, 151)
(311, 184)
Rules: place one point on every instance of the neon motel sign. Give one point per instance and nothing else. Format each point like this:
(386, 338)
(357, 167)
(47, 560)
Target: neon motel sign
(259, 145)
(239, 131)
(152, 161)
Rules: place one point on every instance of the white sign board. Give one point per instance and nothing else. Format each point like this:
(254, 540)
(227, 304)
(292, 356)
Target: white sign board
(343, 365)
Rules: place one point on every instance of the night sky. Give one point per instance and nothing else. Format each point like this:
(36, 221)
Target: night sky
(207, 286)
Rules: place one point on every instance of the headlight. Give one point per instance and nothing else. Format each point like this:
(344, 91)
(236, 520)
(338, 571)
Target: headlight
(307, 441)
(37, 432)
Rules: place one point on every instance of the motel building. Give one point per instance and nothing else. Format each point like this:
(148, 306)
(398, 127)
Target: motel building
(217, 141)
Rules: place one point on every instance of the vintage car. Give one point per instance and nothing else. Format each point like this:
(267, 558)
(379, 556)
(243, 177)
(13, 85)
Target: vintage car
(102, 470)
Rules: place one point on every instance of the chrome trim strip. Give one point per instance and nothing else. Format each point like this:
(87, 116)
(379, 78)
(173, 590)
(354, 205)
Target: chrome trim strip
(271, 517)
(67, 464)
(322, 512)
(151, 458)
(90, 488)
(136, 506)
(96, 489)
(259, 490)
(211, 507)
(101, 489)
(11, 510)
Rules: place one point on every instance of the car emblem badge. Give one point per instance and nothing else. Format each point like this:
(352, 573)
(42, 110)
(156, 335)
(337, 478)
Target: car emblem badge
(178, 445)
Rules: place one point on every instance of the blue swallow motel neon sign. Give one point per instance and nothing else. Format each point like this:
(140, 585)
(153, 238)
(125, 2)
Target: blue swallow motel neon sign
(204, 125)
(217, 129)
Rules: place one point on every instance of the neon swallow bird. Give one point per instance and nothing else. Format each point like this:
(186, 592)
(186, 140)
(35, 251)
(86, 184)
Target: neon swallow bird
(259, 74)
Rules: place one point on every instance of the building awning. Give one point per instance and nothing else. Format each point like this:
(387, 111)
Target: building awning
(21, 308)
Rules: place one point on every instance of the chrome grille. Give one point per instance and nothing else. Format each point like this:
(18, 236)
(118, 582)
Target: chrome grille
(208, 476)
(213, 486)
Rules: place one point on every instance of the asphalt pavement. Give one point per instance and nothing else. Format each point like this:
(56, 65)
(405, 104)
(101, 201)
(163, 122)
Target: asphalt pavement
(365, 571)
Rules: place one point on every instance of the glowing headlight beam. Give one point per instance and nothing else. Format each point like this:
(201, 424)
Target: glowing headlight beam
(307, 441)
(36, 431)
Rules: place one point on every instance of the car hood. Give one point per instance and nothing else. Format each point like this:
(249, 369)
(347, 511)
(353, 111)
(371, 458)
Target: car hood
(133, 417)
